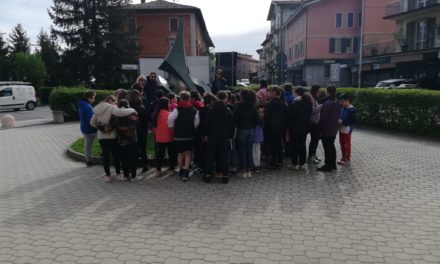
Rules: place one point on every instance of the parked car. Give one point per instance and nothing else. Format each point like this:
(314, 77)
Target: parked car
(245, 81)
(240, 84)
(396, 84)
(17, 95)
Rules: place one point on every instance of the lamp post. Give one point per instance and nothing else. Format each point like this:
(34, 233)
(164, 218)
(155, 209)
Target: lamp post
(361, 48)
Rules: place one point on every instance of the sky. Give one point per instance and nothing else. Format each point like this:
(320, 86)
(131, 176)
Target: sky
(234, 25)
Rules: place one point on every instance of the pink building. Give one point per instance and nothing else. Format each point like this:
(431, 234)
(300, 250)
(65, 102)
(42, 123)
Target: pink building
(322, 39)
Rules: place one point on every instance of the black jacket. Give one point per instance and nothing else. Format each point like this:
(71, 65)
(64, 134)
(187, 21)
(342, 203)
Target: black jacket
(184, 124)
(245, 116)
(218, 85)
(275, 115)
(299, 115)
(143, 118)
(219, 121)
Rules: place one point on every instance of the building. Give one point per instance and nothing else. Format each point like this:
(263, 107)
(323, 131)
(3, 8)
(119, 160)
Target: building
(323, 39)
(415, 52)
(273, 46)
(247, 67)
(156, 24)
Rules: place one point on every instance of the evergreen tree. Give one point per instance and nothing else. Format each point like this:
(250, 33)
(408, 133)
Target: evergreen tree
(48, 50)
(3, 47)
(96, 38)
(19, 41)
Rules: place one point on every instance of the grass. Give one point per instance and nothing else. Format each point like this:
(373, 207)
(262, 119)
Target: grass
(78, 146)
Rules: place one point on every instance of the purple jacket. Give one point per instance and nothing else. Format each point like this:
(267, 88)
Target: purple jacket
(258, 134)
(328, 121)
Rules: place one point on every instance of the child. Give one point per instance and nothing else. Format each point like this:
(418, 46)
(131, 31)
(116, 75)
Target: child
(258, 139)
(219, 129)
(185, 120)
(127, 139)
(347, 118)
(173, 101)
(275, 125)
(163, 134)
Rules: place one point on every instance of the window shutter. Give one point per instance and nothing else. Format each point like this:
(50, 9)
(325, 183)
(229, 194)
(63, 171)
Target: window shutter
(430, 28)
(344, 45)
(332, 45)
(410, 30)
(356, 45)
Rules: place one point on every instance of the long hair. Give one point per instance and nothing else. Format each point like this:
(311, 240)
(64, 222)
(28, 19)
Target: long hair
(248, 97)
(314, 90)
(162, 104)
(135, 98)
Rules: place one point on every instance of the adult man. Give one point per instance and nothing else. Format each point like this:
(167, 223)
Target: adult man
(150, 87)
(219, 83)
(85, 111)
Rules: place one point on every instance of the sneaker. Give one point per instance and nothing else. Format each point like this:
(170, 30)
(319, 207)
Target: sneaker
(312, 160)
(207, 178)
(157, 173)
(347, 163)
(107, 179)
(181, 172)
(249, 174)
(185, 175)
(119, 177)
(325, 169)
(138, 178)
(341, 162)
(89, 164)
(317, 159)
(244, 175)
(225, 179)
(293, 167)
(301, 167)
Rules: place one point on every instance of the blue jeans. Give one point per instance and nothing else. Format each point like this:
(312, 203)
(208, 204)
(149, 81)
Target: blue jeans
(245, 147)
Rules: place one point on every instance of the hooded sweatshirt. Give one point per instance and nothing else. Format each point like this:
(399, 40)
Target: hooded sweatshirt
(85, 112)
(102, 114)
(348, 119)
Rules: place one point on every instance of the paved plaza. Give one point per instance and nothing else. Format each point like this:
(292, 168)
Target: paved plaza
(385, 208)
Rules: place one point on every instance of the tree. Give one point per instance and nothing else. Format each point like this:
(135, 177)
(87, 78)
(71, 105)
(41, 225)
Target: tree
(28, 67)
(48, 50)
(19, 41)
(96, 38)
(3, 47)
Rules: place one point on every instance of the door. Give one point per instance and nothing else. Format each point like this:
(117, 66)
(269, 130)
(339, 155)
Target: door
(7, 98)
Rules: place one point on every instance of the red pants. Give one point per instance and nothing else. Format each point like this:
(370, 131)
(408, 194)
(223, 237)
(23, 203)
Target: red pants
(345, 140)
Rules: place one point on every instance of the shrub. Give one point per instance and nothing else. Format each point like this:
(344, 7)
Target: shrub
(414, 111)
(65, 99)
(44, 93)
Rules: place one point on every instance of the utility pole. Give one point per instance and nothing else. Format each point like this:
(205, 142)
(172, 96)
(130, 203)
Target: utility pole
(361, 48)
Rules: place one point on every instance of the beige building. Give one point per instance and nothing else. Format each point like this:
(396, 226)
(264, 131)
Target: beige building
(246, 66)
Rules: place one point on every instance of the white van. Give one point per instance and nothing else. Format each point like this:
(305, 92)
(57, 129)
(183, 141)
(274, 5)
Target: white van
(17, 95)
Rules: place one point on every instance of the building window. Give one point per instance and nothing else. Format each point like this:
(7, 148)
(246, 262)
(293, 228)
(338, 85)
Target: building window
(421, 35)
(342, 45)
(301, 48)
(350, 20)
(173, 24)
(360, 19)
(421, 3)
(338, 20)
(327, 71)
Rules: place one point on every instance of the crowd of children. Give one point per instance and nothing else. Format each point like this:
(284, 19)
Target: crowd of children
(219, 134)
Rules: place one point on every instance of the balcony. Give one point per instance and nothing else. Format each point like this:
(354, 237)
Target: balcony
(403, 7)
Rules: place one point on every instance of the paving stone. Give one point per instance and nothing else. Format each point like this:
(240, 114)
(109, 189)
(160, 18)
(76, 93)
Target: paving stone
(382, 209)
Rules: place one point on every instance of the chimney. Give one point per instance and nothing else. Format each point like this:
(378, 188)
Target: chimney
(142, 1)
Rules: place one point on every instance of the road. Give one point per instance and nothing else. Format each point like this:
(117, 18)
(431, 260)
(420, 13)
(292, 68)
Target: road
(383, 209)
(41, 112)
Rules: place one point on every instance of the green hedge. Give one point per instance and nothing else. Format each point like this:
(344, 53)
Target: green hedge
(44, 93)
(65, 99)
(413, 111)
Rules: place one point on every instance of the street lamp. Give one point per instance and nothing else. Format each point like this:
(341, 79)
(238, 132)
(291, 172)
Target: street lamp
(361, 48)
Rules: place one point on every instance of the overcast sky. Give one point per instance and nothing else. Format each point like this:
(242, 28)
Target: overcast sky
(234, 25)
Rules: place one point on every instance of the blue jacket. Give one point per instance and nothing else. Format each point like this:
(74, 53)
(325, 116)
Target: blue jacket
(85, 112)
(289, 97)
(348, 118)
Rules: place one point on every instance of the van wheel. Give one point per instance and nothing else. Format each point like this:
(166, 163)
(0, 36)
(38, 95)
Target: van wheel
(30, 106)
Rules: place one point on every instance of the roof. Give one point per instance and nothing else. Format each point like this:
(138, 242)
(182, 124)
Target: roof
(162, 6)
(281, 3)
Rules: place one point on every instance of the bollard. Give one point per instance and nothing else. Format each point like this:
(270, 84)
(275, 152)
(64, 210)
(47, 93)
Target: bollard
(8, 121)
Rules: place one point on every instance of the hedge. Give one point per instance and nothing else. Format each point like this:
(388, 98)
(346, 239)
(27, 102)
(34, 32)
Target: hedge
(65, 99)
(44, 93)
(413, 111)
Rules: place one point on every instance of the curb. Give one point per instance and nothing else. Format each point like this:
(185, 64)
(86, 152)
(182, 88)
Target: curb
(76, 156)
